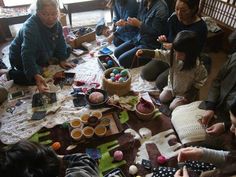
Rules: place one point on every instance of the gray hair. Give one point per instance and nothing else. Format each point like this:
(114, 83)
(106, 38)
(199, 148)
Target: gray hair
(40, 4)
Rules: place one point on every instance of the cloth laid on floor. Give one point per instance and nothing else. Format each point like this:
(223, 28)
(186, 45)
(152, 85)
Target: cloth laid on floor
(18, 124)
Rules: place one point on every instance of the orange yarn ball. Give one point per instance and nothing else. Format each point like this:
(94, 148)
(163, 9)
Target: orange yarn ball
(55, 146)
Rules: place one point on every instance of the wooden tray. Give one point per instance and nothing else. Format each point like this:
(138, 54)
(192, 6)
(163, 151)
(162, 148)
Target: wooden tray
(115, 125)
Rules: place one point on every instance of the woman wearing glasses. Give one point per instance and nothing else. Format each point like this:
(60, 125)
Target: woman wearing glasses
(39, 42)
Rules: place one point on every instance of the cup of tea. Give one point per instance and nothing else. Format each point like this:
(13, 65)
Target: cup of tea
(100, 130)
(88, 131)
(76, 134)
(97, 114)
(76, 123)
(84, 118)
(105, 122)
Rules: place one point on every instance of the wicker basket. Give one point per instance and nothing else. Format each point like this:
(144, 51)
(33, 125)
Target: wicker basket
(118, 88)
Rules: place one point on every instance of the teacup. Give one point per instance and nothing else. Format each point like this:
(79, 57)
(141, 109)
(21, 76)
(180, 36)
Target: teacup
(84, 118)
(76, 134)
(93, 121)
(100, 130)
(76, 123)
(88, 131)
(105, 122)
(97, 114)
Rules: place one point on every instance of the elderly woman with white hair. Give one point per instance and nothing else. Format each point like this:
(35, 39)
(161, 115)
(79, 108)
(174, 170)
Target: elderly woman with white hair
(39, 42)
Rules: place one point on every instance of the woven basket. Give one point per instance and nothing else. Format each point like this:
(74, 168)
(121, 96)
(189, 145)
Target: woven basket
(118, 88)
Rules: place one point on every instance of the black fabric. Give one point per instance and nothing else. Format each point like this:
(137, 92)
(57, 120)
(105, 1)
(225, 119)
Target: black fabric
(195, 168)
(80, 165)
(207, 61)
(2, 65)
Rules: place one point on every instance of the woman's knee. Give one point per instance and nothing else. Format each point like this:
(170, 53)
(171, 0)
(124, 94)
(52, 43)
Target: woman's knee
(162, 79)
(177, 102)
(166, 96)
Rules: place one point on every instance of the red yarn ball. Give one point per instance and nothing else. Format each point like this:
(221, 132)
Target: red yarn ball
(161, 159)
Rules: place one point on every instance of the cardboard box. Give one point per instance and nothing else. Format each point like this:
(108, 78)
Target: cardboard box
(89, 37)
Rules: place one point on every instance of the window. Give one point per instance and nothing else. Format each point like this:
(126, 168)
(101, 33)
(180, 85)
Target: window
(10, 3)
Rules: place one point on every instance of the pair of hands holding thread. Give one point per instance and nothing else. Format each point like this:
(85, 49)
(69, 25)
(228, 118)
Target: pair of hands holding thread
(189, 153)
(41, 82)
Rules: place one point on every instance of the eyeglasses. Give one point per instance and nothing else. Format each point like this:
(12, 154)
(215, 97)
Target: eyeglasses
(47, 15)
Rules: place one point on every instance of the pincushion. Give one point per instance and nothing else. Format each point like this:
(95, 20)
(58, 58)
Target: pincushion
(96, 97)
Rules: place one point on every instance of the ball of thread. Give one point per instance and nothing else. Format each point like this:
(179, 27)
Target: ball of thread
(118, 155)
(133, 170)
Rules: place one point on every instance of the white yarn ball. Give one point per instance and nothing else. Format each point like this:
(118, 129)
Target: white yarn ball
(133, 170)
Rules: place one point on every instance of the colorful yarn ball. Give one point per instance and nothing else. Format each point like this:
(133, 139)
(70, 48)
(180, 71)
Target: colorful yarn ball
(117, 77)
(55, 146)
(133, 170)
(112, 75)
(107, 59)
(104, 64)
(118, 155)
(124, 72)
(115, 71)
(121, 79)
(96, 97)
(161, 159)
(110, 63)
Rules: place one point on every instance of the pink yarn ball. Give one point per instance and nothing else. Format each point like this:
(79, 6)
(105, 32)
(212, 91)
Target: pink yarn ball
(161, 159)
(96, 97)
(118, 155)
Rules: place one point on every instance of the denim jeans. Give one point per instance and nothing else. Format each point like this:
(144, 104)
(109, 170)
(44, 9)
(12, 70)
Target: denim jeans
(125, 54)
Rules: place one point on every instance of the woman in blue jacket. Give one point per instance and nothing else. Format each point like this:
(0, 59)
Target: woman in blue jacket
(122, 10)
(152, 22)
(37, 44)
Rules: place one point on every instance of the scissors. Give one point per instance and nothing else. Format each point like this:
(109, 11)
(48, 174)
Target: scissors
(11, 109)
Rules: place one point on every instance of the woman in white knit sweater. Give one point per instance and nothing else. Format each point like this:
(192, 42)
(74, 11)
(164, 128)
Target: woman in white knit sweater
(225, 160)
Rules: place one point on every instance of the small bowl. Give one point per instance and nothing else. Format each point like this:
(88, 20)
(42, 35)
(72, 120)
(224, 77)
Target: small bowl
(88, 131)
(105, 122)
(100, 130)
(93, 121)
(97, 114)
(84, 118)
(100, 104)
(76, 134)
(76, 123)
(145, 116)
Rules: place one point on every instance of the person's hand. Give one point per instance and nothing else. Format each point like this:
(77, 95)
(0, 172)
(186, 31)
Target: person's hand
(41, 83)
(206, 118)
(67, 65)
(121, 22)
(167, 45)
(190, 153)
(162, 38)
(182, 172)
(134, 22)
(110, 38)
(139, 53)
(216, 129)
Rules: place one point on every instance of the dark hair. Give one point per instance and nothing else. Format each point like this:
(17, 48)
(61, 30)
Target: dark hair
(193, 5)
(187, 42)
(232, 108)
(28, 159)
